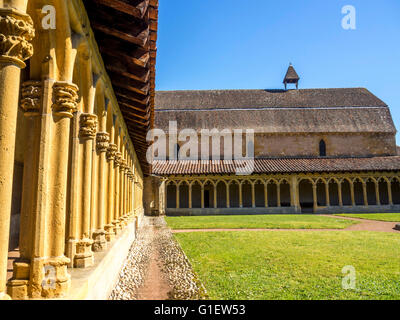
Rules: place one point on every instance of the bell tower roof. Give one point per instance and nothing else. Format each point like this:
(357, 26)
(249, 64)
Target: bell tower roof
(291, 77)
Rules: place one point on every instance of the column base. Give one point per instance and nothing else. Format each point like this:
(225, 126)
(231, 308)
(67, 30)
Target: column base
(17, 286)
(84, 254)
(110, 234)
(49, 278)
(100, 242)
(117, 227)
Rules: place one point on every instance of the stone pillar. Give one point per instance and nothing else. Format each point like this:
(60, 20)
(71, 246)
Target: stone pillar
(31, 96)
(353, 199)
(315, 198)
(16, 32)
(377, 195)
(228, 200)
(190, 196)
(364, 184)
(390, 195)
(177, 195)
(340, 194)
(266, 194)
(117, 164)
(328, 200)
(253, 195)
(88, 129)
(202, 196)
(111, 152)
(122, 187)
(278, 193)
(99, 234)
(296, 194)
(240, 196)
(215, 196)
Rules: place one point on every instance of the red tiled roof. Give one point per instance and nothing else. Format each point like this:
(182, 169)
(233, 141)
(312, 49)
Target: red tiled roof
(286, 165)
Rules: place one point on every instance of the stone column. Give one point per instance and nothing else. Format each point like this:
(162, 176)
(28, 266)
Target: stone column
(365, 193)
(240, 196)
(390, 195)
(190, 196)
(177, 195)
(122, 187)
(228, 200)
(377, 195)
(31, 96)
(340, 194)
(315, 198)
(48, 261)
(353, 199)
(99, 234)
(16, 32)
(328, 200)
(215, 197)
(202, 196)
(111, 152)
(117, 164)
(266, 194)
(253, 195)
(88, 129)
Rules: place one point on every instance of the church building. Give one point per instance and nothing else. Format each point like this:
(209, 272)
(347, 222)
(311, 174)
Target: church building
(315, 151)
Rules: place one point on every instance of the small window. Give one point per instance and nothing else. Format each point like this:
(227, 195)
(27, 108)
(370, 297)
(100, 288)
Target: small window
(322, 148)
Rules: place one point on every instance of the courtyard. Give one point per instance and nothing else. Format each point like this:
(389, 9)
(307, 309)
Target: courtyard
(264, 257)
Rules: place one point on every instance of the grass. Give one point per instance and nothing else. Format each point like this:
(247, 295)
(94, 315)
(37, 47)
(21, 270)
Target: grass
(294, 265)
(388, 217)
(258, 222)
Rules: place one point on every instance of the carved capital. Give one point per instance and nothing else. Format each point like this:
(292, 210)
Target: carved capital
(118, 158)
(65, 99)
(31, 95)
(122, 165)
(102, 141)
(88, 126)
(16, 32)
(111, 152)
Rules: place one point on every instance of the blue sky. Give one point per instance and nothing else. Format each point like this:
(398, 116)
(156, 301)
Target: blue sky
(232, 44)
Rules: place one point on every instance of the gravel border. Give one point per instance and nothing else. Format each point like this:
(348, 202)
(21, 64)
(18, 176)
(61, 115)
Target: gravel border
(154, 234)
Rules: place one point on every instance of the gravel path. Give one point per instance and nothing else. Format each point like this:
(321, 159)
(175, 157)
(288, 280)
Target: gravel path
(156, 268)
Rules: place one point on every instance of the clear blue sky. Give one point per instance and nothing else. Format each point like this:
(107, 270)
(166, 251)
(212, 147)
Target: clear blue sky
(232, 44)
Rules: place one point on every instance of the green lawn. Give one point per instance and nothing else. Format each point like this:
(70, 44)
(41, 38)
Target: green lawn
(294, 265)
(389, 217)
(258, 222)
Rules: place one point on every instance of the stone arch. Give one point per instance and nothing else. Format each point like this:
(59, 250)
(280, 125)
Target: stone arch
(383, 191)
(371, 191)
(221, 194)
(346, 192)
(395, 186)
(285, 193)
(183, 194)
(234, 194)
(358, 192)
(272, 190)
(306, 195)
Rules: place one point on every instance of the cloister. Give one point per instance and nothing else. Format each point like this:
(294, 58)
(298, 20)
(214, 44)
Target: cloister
(282, 193)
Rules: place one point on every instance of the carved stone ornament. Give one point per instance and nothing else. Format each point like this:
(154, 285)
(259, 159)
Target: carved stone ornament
(65, 99)
(118, 158)
(31, 95)
(16, 32)
(111, 152)
(102, 141)
(88, 126)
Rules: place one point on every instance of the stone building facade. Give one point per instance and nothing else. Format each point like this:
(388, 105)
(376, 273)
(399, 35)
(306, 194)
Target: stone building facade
(76, 103)
(315, 150)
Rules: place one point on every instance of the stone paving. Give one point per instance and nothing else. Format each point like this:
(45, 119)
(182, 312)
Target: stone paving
(156, 268)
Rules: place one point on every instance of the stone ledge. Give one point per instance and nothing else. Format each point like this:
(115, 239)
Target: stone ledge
(97, 282)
